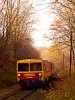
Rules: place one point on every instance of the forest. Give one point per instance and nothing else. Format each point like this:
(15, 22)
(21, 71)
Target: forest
(16, 19)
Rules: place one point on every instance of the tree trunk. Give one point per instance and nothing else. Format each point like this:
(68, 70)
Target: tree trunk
(71, 49)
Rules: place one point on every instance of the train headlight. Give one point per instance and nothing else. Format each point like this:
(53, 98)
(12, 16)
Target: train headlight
(29, 60)
(18, 74)
(40, 74)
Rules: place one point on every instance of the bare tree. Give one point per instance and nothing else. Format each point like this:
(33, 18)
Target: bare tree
(16, 21)
(64, 26)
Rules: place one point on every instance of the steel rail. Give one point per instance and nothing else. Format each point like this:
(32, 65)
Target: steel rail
(10, 94)
(25, 96)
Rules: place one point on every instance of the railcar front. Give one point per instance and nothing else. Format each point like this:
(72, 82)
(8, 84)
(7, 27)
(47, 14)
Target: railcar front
(30, 72)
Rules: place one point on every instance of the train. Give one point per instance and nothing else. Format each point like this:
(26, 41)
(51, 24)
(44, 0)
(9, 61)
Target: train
(34, 72)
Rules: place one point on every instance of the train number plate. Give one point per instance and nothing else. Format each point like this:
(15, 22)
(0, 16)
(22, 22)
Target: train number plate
(29, 75)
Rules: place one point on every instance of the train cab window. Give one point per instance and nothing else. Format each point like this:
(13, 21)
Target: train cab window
(23, 67)
(35, 67)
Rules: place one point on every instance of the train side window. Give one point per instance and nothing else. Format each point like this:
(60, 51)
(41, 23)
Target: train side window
(46, 66)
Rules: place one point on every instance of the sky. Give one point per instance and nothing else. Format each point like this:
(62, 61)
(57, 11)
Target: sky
(43, 25)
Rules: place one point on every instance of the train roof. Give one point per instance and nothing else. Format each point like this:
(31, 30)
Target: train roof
(29, 60)
(45, 60)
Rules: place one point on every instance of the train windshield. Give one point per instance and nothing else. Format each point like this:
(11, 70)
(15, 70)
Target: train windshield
(23, 67)
(35, 66)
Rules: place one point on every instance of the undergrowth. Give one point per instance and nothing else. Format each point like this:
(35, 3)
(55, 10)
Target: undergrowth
(64, 89)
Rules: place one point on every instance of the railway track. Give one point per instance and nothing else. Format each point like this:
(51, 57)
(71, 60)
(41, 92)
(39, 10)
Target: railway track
(27, 95)
(9, 94)
(18, 95)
